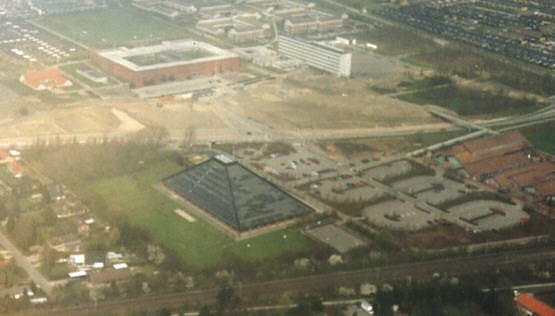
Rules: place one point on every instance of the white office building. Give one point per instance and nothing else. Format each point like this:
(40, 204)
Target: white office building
(317, 55)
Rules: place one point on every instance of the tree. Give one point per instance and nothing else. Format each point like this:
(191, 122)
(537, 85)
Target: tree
(228, 303)
(25, 232)
(49, 256)
(204, 311)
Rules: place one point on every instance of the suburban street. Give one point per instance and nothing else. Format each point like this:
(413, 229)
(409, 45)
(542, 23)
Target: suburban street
(23, 262)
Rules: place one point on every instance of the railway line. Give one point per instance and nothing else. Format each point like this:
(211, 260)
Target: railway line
(455, 266)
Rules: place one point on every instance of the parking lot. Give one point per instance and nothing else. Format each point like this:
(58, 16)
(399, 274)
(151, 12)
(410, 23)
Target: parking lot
(24, 42)
(388, 170)
(396, 214)
(336, 237)
(298, 165)
(488, 215)
(406, 204)
(345, 189)
(433, 190)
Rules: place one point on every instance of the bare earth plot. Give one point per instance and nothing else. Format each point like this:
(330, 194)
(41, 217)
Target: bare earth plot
(97, 119)
(314, 104)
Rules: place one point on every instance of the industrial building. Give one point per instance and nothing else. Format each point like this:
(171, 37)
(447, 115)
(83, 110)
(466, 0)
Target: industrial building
(313, 23)
(317, 55)
(168, 61)
(235, 196)
(509, 163)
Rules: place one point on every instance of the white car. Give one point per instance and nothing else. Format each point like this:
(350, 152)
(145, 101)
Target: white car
(367, 307)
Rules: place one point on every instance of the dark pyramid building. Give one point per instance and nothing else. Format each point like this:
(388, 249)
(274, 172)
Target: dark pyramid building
(234, 194)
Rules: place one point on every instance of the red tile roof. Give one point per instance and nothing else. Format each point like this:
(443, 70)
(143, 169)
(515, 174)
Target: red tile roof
(49, 78)
(497, 164)
(534, 305)
(495, 142)
(546, 188)
(15, 167)
(526, 176)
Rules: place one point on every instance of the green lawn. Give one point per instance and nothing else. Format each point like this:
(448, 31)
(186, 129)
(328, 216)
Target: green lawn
(468, 101)
(71, 69)
(428, 139)
(198, 243)
(541, 136)
(115, 26)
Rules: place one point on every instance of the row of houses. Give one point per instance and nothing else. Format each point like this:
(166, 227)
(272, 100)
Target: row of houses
(99, 267)
(169, 9)
(314, 23)
(243, 28)
(509, 163)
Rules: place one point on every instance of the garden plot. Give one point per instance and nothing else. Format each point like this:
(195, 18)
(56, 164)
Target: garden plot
(488, 215)
(399, 215)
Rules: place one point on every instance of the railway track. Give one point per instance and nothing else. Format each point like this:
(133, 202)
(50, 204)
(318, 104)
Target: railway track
(455, 266)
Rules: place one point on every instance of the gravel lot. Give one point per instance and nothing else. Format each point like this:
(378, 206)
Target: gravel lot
(336, 237)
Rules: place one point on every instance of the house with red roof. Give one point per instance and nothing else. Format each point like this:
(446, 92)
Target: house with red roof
(48, 79)
(4, 156)
(15, 168)
(528, 305)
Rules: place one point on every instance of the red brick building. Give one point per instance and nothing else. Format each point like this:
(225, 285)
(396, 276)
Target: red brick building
(169, 61)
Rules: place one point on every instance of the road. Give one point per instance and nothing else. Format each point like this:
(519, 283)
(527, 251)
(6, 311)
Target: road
(454, 266)
(23, 262)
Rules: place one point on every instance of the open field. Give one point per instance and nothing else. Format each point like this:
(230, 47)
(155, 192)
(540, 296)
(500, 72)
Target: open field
(376, 147)
(113, 26)
(393, 40)
(341, 104)
(469, 101)
(541, 136)
(30, 118)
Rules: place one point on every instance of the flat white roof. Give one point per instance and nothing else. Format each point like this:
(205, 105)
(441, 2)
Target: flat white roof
(77, 274)
(225, 159)
(120, 55)
(118, 266)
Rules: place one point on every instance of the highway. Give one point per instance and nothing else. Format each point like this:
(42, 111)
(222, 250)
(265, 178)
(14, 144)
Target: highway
(453, 266)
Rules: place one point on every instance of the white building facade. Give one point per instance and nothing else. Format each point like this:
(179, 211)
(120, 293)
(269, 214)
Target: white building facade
(317, 55)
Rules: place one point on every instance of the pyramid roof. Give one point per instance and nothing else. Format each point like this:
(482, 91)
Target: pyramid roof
(234, 194)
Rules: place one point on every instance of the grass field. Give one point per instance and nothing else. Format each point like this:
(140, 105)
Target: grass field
(112, 26)
(468, 101)
(542, 136)
(71, 69)
(198, 243)
(391, 145)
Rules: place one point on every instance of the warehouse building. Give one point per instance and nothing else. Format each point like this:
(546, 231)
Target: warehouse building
(168, 61)
(317, 55)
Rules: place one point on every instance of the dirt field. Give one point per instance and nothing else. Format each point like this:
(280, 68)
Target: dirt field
(324, 102)
(308, 105)
(98, 117)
